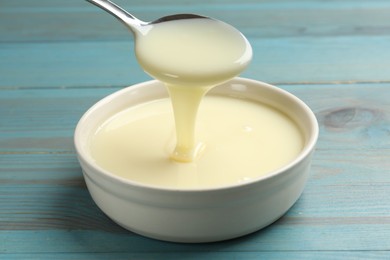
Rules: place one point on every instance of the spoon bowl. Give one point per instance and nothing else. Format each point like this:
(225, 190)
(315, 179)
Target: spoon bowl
(185, 49)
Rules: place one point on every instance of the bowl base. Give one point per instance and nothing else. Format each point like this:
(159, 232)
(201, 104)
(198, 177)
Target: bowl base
(194, 240)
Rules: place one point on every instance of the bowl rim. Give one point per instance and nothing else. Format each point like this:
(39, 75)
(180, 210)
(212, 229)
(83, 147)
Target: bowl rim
(307, 149)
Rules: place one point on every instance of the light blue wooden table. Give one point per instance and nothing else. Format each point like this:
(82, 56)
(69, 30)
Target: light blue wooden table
(59, 57)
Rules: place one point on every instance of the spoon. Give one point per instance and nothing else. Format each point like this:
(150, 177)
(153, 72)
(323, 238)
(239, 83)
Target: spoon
(190, 58)
(134, 24)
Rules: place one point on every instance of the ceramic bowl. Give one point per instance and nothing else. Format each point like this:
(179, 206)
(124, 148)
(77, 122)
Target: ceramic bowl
(203, 215)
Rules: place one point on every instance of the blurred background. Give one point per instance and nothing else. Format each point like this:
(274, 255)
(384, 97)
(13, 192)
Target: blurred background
(73, 43)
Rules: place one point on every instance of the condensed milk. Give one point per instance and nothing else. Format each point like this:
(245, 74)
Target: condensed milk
(191, 141)
(242, 140)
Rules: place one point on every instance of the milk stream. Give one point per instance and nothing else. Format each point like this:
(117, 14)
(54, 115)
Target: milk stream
(191, 56)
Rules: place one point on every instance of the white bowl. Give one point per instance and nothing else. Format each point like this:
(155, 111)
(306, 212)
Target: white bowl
(197, 215)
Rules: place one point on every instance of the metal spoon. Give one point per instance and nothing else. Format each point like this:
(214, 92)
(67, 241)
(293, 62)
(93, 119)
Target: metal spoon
(134, 24)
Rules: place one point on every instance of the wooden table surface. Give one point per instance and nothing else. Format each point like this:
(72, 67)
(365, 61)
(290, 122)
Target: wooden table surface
(57, 58)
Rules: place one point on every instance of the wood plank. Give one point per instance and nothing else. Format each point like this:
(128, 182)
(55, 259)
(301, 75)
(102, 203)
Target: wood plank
(353, 238)
(43, 120)
(289, 255)
(286, 60)
(78, 20)
(348, 191)
(67, 64)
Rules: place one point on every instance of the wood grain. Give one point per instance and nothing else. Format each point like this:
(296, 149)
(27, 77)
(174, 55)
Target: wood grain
(77, 20)
(347, 114)
(42, 187)
(60, 57)
(293, 41)
(291, 60)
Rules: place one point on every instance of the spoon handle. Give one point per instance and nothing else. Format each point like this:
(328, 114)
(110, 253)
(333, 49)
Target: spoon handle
(121, 14)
